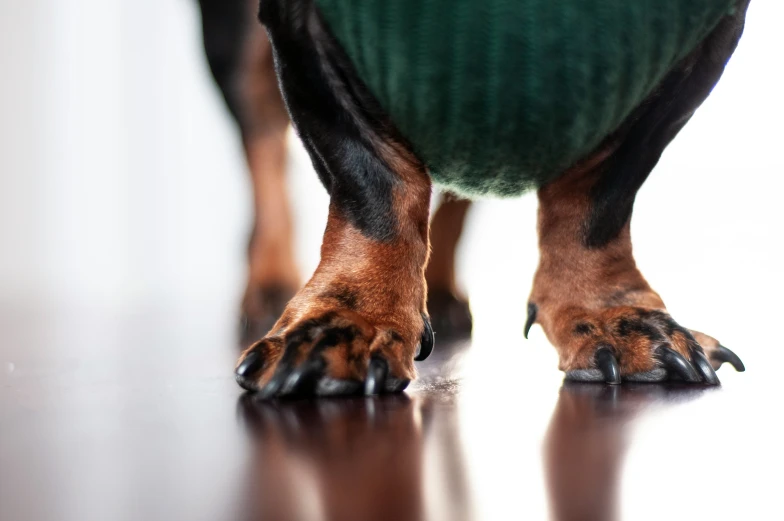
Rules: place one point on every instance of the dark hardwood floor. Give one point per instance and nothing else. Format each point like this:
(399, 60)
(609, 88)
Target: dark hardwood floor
(133, 414)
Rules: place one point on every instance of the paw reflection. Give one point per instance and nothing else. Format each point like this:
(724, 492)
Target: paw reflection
(347, 459)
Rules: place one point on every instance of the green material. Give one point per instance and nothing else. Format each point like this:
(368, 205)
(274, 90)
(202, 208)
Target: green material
(499, 96)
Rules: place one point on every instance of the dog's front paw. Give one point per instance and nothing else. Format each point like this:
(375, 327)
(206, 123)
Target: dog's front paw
(638, 344)
(334, 350)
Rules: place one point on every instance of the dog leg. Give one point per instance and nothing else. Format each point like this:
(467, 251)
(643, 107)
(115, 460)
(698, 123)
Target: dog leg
(361, 319)
(448, 306)
(240, 57)
(273, 274)
(594, 305)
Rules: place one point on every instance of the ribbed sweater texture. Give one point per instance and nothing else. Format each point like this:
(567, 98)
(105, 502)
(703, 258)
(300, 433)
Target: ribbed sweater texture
(499, 96)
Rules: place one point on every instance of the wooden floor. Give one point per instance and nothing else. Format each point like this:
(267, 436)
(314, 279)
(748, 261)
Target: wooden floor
(115, 414)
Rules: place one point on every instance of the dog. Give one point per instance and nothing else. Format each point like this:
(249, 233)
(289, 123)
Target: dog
(576, 100)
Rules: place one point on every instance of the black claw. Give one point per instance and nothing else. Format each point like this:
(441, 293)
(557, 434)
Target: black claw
(246, 384)
(378, 369)
(673, 360)
(252, 363)
(397, 386)
(303, 380)
(427, 341)
(723, 354)
(529, 322)
(278, 381)
(275, 385)
(703, 366)
(608, 365)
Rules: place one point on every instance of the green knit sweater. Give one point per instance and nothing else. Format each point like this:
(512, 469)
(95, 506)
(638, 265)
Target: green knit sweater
(499, 96)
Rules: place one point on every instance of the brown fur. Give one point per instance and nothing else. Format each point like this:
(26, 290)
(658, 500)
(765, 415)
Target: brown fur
(271, 252)
(273, 276)
(448, 306)
(445, 230)
(369, 293)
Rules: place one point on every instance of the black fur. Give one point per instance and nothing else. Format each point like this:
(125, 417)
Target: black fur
(583, 329)
(645, 326)
(656, 326)
(225, 26)
(621, 297)
(344, 295)
(338, 119)
(654, 124)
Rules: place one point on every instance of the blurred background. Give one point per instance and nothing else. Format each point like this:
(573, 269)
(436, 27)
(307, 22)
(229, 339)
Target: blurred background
(125, 206)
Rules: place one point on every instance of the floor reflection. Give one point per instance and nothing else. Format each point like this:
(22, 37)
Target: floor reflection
(483, 434)
(343, 459)
(587, 440)
(403, 457)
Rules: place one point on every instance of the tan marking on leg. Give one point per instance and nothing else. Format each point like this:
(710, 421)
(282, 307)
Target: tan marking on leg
(446, 228)
(272, 270)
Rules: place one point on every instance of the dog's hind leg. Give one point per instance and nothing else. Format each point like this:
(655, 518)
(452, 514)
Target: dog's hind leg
(448, 306)
(588, 295)
(240, 58)
(361, 319)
